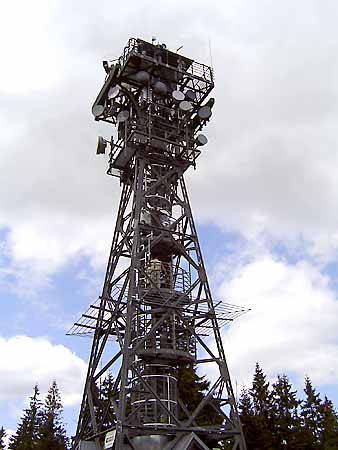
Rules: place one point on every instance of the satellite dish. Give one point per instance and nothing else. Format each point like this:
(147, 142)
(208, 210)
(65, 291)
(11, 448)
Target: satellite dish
(190, 95)
(101, 146)
(97, 110)
(204, 113)
(160, 88)
(142, 77)
(113, 91)
(178, 96)
(201, 139)
(123, 116)
(185, 106)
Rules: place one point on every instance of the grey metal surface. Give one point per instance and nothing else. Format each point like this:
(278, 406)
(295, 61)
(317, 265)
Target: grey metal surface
(159, 310)
(88, 446)
(152, 442)
(187, 441)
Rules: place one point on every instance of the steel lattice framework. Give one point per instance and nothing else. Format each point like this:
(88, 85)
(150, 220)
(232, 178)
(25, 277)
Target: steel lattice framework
(156, 302)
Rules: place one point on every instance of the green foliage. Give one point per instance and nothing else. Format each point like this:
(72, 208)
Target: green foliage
(284, 413)
(2, 438)
(192, 389)
(257, 423)
(26, 435)
(260, 393)
(275, 419)
(105, 412)
(329, 435)
(311, 415)
(52, 434)
(245, 407)
(41, 426)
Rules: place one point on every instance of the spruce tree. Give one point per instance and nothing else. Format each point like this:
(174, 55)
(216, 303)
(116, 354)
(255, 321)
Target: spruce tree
(106, 411)
(52, 434)
(260, 393)
(329, 435)
(192, 389)
(245, 404)
(2, 438)
(311, 416)
(245, 409)
(26, 435)
(275, 419)
(285, 420)
(262, 411)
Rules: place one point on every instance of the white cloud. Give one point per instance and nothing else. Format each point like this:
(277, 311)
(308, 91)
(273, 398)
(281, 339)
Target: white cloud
(293, 323)
(48, 243)
(26, 361)
(31, 56)
(271, 163)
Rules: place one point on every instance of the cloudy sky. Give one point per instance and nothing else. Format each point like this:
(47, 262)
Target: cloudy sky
(265, 193)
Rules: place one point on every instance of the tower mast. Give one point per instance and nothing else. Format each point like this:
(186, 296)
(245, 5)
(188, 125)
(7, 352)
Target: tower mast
(156, 316)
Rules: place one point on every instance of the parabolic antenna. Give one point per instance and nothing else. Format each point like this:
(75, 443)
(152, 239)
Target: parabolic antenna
(204, 112)
(123, 116)
(201, 139)
(97, 110)
(178, 96)
(190, 95)
(142, 77)
(160, 88)
(185, 106)
(113, 91)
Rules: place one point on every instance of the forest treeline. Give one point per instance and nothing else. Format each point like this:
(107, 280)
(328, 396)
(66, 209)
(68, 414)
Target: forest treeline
(40, 427)
(273, 416)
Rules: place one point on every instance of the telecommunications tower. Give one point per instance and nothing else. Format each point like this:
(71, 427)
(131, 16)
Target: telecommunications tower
(156, 318)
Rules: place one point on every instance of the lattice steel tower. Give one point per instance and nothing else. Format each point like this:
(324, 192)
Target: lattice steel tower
(156, 301)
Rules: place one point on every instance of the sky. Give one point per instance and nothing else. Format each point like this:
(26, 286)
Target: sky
(264, 194)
